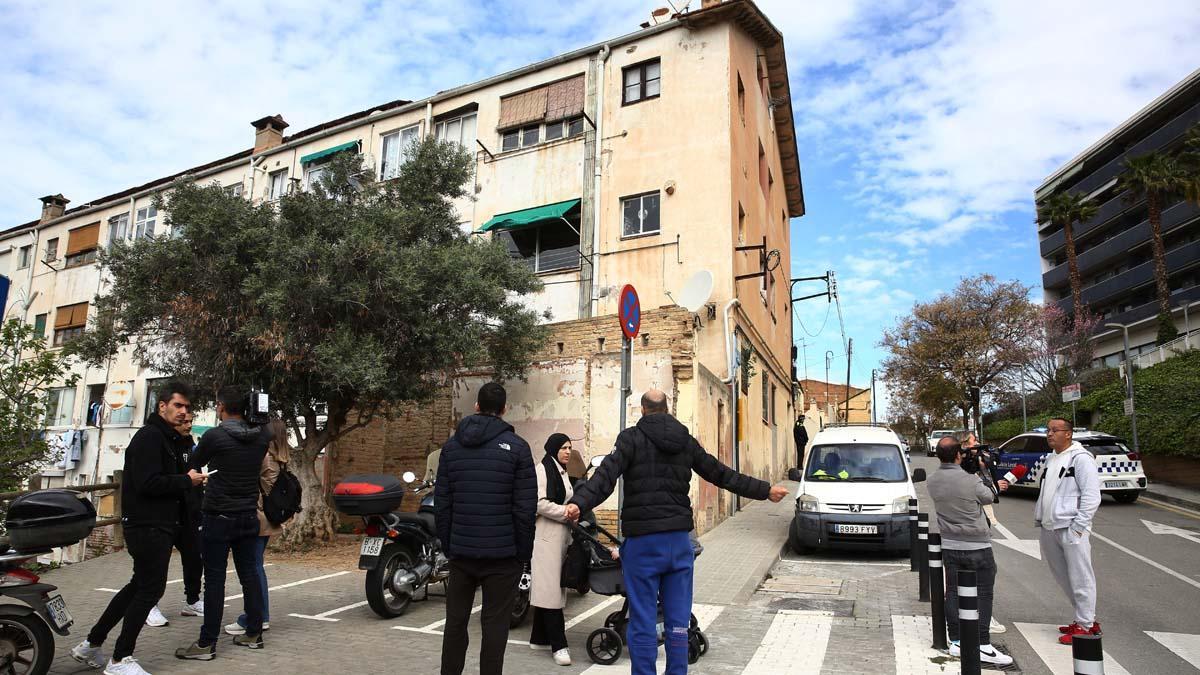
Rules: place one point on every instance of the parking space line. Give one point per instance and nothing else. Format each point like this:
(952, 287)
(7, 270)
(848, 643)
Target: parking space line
(295, 583)
(324, 616)
(599, 607)
(431, 628)
(173, 581)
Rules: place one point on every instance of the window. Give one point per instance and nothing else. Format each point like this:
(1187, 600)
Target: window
(770, 294)
(639, 215)
(60, 407)
(69, 323)
(741, 100)
(39, 325)
(773, 393)
(547, 248)
(153, 386)
(531, 134)
(143, 226)
(763, 171)
(564, 129)
(234, 190)
(51, 250)
(118, 228)
(23, 257)
(278, 185)
(82, 243)
(459, 130)
(313, 175)
(766, 399)
(848, 461)
(641, 81)
(741, 231)
(396, 148)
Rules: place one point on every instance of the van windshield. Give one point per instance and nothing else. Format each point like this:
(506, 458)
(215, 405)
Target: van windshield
(856, 462)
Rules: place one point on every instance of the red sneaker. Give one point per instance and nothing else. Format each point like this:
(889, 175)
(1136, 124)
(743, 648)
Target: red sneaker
(1076, 629)
(1068, 628)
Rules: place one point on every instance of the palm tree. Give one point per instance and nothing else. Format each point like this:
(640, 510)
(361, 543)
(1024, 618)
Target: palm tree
(1065, 209)
(1156, 177)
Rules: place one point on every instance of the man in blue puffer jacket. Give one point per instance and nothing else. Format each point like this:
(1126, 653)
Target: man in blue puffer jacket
(485, 503)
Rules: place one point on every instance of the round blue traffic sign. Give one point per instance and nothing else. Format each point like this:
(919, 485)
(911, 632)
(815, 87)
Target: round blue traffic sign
(630, 312)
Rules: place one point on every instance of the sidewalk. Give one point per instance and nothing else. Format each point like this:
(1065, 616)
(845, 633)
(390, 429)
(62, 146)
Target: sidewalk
(740, 551)
(1179, 496)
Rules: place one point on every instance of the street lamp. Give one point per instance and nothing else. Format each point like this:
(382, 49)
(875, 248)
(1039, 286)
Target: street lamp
(1128, 380)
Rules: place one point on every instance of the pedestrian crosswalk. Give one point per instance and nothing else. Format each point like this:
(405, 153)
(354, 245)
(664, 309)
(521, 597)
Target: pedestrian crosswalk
(795, 644)
(705, 615)
(1043, 638)
(1186, 647)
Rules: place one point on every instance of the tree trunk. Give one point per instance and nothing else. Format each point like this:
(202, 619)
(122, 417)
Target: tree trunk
(1073, 274)
(317, 521)
(1160, 255)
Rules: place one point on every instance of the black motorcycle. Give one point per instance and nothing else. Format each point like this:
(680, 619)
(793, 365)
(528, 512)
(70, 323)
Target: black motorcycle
(400, 551)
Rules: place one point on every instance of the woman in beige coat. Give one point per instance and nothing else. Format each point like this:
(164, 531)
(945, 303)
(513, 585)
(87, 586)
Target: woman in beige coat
(551, 538)
(276, 457)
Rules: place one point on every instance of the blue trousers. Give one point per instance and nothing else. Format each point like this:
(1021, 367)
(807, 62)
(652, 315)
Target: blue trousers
(222, 533)
(658, 565)
(259, 552)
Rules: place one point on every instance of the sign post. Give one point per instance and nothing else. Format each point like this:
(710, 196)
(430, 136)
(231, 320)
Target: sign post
(1070, 394)
(629, 311)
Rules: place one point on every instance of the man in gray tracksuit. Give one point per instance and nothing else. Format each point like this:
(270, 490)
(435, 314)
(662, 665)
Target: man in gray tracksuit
(1069, 497)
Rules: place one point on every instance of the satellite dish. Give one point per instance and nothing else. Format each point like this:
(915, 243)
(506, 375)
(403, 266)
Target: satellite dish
(696, 291)
(118, 395)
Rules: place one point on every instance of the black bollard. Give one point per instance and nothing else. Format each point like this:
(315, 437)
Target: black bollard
(968, 622)
(937, 591)
(913, 554)
(1087, 654)
(923, 560)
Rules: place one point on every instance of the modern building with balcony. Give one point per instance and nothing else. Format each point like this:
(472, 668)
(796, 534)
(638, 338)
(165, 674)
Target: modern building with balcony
(1113, 249)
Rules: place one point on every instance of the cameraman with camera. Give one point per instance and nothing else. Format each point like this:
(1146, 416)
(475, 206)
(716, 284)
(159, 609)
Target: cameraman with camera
(959, 495)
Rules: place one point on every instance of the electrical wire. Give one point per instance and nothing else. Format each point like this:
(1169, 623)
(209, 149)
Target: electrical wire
(819, 330)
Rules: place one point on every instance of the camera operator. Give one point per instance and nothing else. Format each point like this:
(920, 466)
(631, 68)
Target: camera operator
(959, 495)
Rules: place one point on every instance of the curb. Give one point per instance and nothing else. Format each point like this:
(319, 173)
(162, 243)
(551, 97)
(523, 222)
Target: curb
(1169, 499)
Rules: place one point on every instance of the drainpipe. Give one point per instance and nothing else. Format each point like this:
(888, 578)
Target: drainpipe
(429, 118)
(597, 203)
(731, 380)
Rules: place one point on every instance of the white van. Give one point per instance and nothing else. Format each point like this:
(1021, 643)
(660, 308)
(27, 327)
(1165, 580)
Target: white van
(854, 491)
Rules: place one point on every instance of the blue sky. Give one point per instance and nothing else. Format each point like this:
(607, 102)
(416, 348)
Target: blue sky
(923, 126)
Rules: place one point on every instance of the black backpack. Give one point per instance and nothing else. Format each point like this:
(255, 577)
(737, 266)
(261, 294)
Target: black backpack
(283, 501)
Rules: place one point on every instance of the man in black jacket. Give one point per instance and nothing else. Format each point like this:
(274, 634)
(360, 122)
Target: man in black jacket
(187, 537)
(233, 453)
(486, 502)
(657, 458)
(152, 492)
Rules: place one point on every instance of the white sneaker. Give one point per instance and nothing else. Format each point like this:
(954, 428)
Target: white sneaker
(193, 609)
(954, 650)
(539, 648)
(88, 655)
(156, 619)
(563, 657)
(126, 666)
(236, 628)
(989, 654)
(996, 627)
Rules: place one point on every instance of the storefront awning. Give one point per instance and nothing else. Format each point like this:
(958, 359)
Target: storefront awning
(329, 152)
(515, 220)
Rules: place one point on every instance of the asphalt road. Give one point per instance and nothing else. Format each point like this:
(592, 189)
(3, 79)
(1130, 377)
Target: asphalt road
(1147, 582)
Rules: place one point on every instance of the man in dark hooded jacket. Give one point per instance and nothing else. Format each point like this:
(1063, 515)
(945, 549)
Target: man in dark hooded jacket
(485, 503)
(657, 458)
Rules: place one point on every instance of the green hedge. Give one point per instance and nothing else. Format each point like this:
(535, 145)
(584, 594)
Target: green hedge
(1167, 397)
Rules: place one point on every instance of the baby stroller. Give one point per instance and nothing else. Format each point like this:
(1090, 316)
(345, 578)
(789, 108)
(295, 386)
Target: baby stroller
(604, 645)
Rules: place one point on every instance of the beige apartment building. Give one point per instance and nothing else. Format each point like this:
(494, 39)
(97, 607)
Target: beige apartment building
(661, 159)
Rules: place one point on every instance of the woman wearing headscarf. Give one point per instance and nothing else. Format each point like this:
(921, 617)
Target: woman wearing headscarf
(551, 538)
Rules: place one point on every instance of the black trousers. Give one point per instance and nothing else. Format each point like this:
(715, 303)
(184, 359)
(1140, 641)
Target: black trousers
(187, 542)
(225, 533)
(549, 628)
(150, 548)
(984, 564)
(499, 580)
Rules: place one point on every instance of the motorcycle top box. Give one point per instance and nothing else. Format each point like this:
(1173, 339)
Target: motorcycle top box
(48, 518)
(368, 494)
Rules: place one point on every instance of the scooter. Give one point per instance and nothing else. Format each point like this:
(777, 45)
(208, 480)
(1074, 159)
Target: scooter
(403, 557)
(26, 642)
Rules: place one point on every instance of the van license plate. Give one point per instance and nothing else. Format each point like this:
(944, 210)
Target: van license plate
(856, 529)
(371, 546)
(1114, 483)
(57, 608)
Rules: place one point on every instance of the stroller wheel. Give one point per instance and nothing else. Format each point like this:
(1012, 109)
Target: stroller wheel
(604, 646)
(703, 640)
(694, 649)
(695, 625)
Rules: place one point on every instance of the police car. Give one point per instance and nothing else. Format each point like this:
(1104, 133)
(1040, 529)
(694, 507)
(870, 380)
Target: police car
(1120, 468)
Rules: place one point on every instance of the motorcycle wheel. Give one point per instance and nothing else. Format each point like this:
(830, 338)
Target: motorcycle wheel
(384, 600)
(604, 646)
(26, 645)
(520, 610)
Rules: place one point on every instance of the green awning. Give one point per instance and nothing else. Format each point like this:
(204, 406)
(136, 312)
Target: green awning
(329, 152)
(515, 220)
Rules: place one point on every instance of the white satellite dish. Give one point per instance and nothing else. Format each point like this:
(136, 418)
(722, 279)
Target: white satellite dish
(696, 291)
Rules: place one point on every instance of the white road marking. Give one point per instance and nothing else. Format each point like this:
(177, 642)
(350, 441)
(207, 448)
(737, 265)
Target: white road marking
(778, 654)
(705, 615)
(1186, 647)
(1029, 547)
(595, 609)
(1159, 528)
(437, 624)
(1043, 638)
(1182, 577)
(911, 638)
(295, 583)
(324, 616)
(173, 581)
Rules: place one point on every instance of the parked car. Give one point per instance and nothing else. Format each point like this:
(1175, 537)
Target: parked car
(1121, 473)
(854, 491)
(934, 437)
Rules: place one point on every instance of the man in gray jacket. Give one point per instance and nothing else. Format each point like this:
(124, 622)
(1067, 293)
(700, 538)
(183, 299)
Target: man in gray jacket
(959, 498)
(1067, 502)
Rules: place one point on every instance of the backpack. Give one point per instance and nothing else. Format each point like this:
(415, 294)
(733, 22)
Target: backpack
(283, 501)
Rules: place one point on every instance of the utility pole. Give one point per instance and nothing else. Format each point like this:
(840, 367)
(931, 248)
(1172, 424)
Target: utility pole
(849, 353)
(1024, 417)
(1128, 383)
(872, 396)
(828, 360)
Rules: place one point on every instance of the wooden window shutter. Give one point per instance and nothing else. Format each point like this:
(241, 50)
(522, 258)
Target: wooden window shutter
(564, 99)
(528, 106)
(83, 239)
(71, 316)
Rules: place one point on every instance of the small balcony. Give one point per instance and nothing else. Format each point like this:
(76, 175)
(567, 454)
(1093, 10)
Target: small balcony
(1178, 259)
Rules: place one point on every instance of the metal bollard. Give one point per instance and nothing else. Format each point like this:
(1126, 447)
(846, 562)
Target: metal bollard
(968, 622)
(913, 554)
(1087, 654)
(923, 560)
(937, 591)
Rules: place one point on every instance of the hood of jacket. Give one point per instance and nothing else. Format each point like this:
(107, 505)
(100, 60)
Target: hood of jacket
(243, 432)
(476, 430)
(665, 432)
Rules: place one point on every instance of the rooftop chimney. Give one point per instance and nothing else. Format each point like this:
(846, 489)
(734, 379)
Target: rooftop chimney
(705, 4)
(53, 206)
(268, 133)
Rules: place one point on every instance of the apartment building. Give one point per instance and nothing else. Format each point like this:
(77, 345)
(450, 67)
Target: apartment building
(1113, 249)
(652, 159)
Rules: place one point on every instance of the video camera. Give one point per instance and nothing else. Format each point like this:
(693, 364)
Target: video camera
(258, 407)
(977, 458)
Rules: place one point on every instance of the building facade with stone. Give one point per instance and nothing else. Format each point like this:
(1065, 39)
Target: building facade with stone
(660, 159)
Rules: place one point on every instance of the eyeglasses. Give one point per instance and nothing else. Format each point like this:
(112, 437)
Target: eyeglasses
(1057, 431)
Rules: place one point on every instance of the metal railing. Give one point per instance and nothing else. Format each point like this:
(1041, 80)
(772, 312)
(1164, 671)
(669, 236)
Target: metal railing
(1171, 349)
(35, 485)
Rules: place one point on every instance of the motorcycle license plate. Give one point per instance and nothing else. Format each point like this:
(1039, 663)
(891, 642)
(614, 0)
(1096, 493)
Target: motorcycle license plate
(371, 547)
(856, 529)
(56, 607)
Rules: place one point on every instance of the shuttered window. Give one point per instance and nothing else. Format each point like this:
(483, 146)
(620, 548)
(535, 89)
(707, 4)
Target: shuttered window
(551, 102)
(565, 99)
(69, 322)
(83, 239)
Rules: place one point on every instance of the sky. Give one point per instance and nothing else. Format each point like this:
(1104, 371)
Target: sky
(923, 127)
